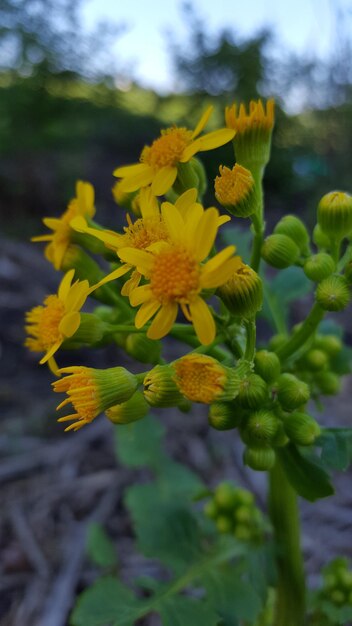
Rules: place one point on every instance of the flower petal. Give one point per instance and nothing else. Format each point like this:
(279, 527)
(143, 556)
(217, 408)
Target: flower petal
(203, 321)
(108, 237)
(54, 348)
(163, 321)
(206, 233)
(120, 271)
(173, 221)
(215, 139)
(140, 295)
(130, 170)
(65, 285)
(223, 219)
(77, 296)
(163, 180)
(142, 178)
(52, 222)
(203, 121)
(221, 275)
(148, 203)
(188, 198)
(147, 310)
(70, 323)
(141, 259)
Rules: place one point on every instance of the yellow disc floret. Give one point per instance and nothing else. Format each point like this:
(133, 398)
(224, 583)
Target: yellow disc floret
(175, 275)
(200, 378)
(168, 149)
(256, 117)
(235, 190)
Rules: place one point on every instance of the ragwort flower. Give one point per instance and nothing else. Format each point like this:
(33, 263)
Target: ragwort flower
(159, 161)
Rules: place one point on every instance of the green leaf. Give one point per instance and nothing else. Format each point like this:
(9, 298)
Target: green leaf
(239, 237)
(139, 443)
(336, 447)
(288, 285)
(233, 598)
(179, 481)
(107, 602)
(305, 473)
(185, 611)
(100, 548)
(341, 615)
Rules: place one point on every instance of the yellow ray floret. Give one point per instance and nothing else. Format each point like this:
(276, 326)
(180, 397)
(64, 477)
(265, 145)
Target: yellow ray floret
(177, 274)
(60, 238)
(158, 162)
(256, 117)
(48, 325)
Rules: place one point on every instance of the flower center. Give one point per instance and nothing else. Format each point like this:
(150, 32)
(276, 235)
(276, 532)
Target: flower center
(175, 276)
(167, 150)
(43, 324)
(200, 378)
(233, 185)
(144, 232)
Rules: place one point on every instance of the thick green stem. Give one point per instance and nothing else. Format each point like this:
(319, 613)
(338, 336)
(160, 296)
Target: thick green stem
(284, 514)
(257, 219)
(305, 331)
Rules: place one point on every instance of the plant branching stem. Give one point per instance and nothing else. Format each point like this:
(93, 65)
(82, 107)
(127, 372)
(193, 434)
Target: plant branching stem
(305, 331)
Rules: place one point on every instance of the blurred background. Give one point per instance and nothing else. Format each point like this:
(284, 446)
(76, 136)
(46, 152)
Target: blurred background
(84, 84)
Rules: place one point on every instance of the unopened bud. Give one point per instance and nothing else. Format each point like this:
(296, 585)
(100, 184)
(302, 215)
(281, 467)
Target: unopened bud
(253, 392)
(260, 459)
(225, 415)
(260, 428)
(294, 228)
(235, 190)
(335, 214)
(333, 293)
(160, 388)
(319, 266)
(243, 292)
(143, 349)
(280, 251)
(315, 359)
(301, 428)
(134, 409)
(328, 383)
(267, 365)
(292, 392)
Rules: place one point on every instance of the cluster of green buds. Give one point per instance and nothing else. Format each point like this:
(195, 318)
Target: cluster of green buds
(288, 244)
(317, 366)
(233, 511)
(337, 582)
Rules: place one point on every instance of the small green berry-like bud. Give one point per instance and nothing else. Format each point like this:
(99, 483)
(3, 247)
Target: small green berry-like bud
(319, 266)
(294, 228)
(245, 497)
(301, 428)
(253, 392)
(160, 388)
(320, 239)
(328, 383)
(280, 251)
(225, 415)
(224, 524)
(260, 428)
(260, 459)
(337, 597)
(143, 349)
(315, 359)
(243, 514)
(225, 496)
(335, 214)
(292, 392)
(134, 409)
(243, 292)
(267, 365)
(331, 344)
(211, 510)
(333, 293)
(277, 341)
(91, 330)
(242, 533)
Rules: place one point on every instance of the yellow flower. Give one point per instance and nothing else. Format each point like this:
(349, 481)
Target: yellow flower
(235, 190)
(58, 319)
(200, 378)
(61, 237)
(92, 391)
(257, 116)
(158, 162)
(176, 273)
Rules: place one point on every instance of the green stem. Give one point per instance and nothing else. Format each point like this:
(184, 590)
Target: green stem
(251, 339)
(290, 602)
(257, 219)
(335, 249)
(300, 337)
(191, 340)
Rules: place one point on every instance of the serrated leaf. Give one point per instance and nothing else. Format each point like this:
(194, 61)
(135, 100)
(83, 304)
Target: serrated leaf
(100, 548)
(233, 598)
(185, 611)
(336, 447)
(107, 602)
(305, 474)
(139, 443)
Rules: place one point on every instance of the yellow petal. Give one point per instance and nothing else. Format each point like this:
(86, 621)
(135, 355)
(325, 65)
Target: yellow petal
(42, 238)
(147, 310)
(53, 366)
(202, 122)
(129, 170)
(142, 178)
(108, 237)
(223, 219)
(141, 259)
(140, 295)
(120, 271)
(77, 296)
(163, 321)
(190, 151)
(58, 251)
(85, 197)
(188, 198)
(163, 180)
(220, 258)
(148, 203)
(215, 139)
(50, 352)
(203, 321)
(206, 233)
(51, 222)
(70, 323)
(131, 284)
(65, 285)
(173, 221)
(220, 275)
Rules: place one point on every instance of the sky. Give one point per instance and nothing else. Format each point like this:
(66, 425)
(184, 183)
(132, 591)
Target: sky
(301, 25)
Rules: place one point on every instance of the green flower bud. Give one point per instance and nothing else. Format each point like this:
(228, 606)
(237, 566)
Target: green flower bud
(348, 272)
(335, 214)
(211, 510)
(331, 344)
(160, 388)
(333, 293)
(225, 496)
(243, 292)
(235, 190)
(319, 266)
(345, 578)
(328, 383)
(337, 597)
(280, 439)
(242, 533)
(91, 331)
(243, 514)
(301, 428)
(187, 177)
(315, 359)
(260, 459)
(320, 239)
(225, 415)
(224, 524)
(253, 392)
(260, 428)
(143, 349)
(280, 251)
(245, 497)
(292, 392)
(267, 365)
(134, 409)
(294, 228)
(277, 341)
